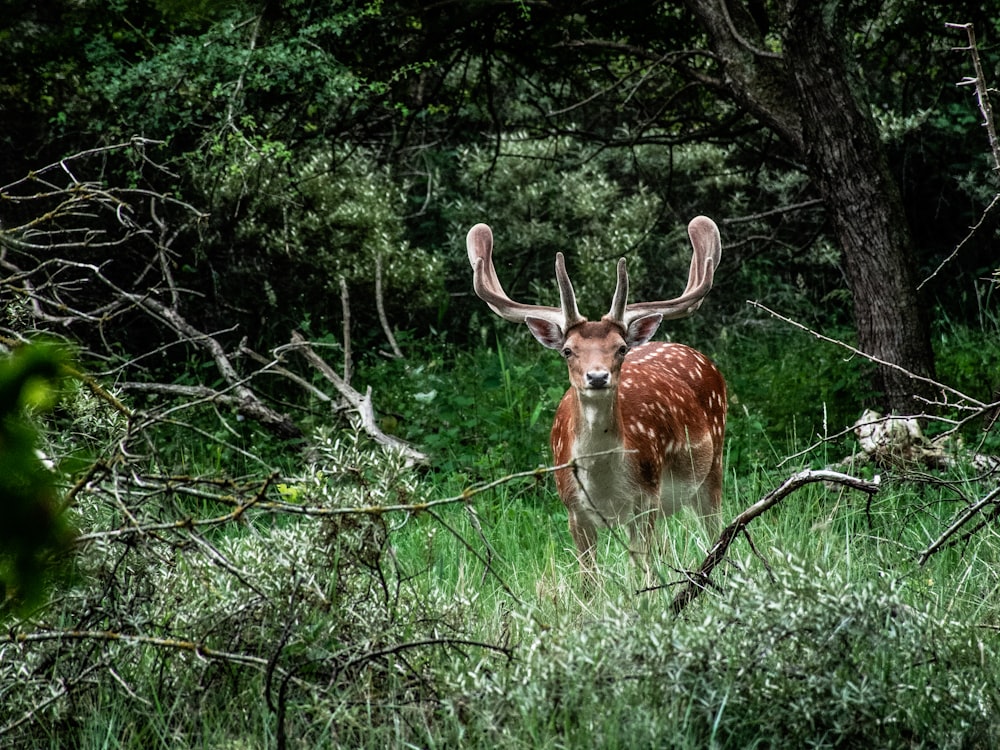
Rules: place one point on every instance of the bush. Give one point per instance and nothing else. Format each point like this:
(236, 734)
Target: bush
(804, 660)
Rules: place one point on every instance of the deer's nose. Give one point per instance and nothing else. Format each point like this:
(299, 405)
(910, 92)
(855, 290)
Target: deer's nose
(598, 379)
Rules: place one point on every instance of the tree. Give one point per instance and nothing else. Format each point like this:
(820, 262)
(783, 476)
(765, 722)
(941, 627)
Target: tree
(807, 94)
(711, 71)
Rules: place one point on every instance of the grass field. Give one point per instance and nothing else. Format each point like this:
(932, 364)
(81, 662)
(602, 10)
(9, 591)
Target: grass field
(353, 601)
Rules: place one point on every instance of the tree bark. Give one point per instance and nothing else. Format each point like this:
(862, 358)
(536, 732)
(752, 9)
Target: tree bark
(846, 159)
(805, 94)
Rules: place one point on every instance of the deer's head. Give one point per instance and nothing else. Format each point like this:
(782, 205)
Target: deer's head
(594, 350)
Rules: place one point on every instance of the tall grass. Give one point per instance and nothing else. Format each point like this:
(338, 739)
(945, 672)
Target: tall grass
(468, 625)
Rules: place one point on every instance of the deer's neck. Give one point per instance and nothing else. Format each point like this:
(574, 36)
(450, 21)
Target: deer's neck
(598, 421)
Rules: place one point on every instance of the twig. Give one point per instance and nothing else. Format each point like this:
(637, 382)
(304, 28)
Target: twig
(700, 579)
(971, 511)
(63, 691)
(199, 649)
(345, 304)
(177, 485)
(380, 306)
(184, 524)
(775, 211)
(247, 401)
(960, 245)
(486, 560)
(869, 357)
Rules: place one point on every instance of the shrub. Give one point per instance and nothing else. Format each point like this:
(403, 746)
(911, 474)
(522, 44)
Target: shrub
(804, 660)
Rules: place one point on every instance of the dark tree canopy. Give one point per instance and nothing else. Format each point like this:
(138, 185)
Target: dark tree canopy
(804, 129)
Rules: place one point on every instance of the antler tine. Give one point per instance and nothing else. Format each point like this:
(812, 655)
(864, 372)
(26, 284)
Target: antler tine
(479, 243)
(618, 302)
(567, 297)
(707, 245)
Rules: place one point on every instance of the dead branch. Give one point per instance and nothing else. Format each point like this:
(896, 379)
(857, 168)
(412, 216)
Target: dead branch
(247, 402)
(345, 304)
(361, 404)
(986, 109)
(198, 649)
(380, 306)
(870, 357)
(971, 512)
(272, 367)
(982, 92)
(227, 493)
(899, 437)
(701, 579)
(54, 257)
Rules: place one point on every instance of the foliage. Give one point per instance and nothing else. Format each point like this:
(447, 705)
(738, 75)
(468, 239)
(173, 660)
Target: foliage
(35, 536)
(311, 220)
(806, 658)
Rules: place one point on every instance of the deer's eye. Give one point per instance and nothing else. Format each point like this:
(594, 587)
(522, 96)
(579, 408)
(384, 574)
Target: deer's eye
(622, 350)
(567, 352)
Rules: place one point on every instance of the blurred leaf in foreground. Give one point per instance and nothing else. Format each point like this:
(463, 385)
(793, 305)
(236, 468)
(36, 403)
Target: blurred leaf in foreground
(34, 535)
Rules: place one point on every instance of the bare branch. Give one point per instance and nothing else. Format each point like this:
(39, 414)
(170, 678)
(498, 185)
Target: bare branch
(871, 358)
(700, 579)
(986, 109)
(345, 304)
(361, 404)
(982, 92)
(246, 401)
(380, 306)
(967, 515)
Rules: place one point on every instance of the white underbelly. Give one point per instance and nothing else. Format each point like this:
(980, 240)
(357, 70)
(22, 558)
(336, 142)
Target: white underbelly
(609, 498)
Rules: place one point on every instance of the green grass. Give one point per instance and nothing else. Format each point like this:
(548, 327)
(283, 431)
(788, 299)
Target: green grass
(467, 625)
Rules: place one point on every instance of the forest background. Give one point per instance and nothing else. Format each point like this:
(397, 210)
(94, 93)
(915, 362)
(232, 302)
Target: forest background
(276, 476)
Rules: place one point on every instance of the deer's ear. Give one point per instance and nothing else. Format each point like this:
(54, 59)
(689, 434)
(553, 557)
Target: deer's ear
(548, 333)
(642, 329)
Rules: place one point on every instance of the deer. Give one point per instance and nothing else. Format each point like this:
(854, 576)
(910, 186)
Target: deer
(639, 432)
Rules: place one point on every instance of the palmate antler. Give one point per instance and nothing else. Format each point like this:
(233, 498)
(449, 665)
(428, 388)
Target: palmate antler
(707, 245)
(705, 241)
(479, 243)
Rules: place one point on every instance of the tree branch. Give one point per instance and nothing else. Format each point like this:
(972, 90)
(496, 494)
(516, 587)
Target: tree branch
(700, 579)
(361, 404)
(969, 513)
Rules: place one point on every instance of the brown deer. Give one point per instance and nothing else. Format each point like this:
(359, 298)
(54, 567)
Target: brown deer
(642, 424)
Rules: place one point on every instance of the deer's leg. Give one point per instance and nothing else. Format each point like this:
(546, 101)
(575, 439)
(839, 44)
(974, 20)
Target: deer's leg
(709, 502)
(641, 533)
(585, 537)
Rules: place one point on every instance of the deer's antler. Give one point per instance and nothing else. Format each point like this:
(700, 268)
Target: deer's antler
(707, 244)
(479, 243)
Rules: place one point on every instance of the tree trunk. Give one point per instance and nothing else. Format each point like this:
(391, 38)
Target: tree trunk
(806, 96)
(846, 159)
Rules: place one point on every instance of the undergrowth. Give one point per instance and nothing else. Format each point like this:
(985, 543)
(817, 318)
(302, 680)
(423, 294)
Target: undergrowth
(349, 599)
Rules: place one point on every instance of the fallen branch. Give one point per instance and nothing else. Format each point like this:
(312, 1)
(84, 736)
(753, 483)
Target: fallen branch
(361, 404)
(967, 516)
(246, 401)
(700, 579)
